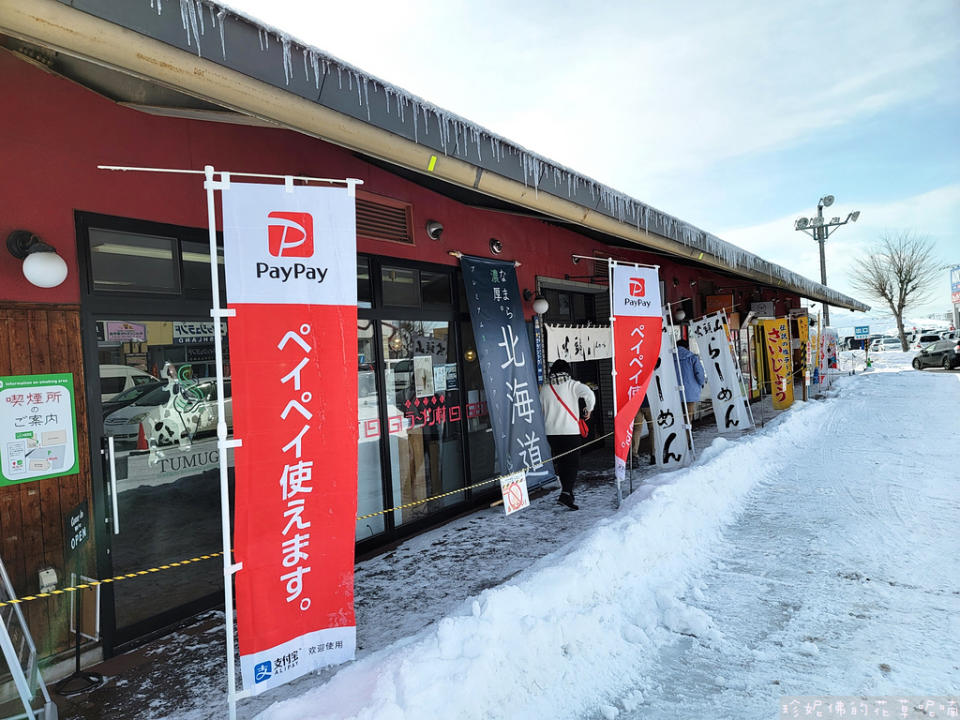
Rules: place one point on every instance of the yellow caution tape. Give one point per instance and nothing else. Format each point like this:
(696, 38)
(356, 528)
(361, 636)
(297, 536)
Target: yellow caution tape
(210, 556)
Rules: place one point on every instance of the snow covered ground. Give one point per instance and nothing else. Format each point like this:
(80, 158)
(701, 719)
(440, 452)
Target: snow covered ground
(819, 555)
(816, 555)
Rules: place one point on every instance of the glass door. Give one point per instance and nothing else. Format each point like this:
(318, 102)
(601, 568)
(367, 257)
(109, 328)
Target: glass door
(424, 414)
(159, 409)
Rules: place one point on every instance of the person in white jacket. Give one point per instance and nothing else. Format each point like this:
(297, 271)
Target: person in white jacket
(560, 397)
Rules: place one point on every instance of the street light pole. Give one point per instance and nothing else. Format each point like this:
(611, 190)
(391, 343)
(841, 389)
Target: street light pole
(819, 230)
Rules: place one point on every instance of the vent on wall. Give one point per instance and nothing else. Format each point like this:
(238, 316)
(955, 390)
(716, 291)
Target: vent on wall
(381, 218)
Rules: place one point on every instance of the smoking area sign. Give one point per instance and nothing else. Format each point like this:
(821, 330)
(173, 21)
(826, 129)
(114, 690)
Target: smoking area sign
(861, 331)
(38, 428)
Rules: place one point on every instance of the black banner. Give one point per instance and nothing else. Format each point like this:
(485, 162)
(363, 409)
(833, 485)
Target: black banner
(509, 373)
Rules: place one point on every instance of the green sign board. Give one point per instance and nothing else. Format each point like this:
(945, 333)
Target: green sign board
(38, 428)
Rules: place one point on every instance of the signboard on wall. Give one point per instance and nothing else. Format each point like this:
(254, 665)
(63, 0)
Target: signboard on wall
(122, 331)
(187, 333)
(578, 343)
(290, 261)
(38, 428)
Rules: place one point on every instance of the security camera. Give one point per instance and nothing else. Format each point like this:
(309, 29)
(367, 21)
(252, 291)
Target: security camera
(434, 229)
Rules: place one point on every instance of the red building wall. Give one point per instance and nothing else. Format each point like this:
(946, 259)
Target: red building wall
(56, 133)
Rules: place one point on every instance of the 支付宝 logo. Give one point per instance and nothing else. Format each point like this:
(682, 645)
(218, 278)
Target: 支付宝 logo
(262, 671)
(636, 288)
(290, 234)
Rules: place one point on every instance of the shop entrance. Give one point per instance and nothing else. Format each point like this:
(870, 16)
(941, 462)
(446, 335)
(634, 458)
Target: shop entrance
(162, 464)
(152, 412)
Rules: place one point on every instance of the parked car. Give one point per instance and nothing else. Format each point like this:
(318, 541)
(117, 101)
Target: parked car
(114, 379)
(924, 340)
(885, 343)
(950, 335)
(129, 396)
(943, 353)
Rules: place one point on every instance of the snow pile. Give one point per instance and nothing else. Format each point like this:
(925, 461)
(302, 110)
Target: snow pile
(575, 632)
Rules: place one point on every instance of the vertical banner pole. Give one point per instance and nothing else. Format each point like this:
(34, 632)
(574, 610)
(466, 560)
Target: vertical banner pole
(218, 313)
(613, 364)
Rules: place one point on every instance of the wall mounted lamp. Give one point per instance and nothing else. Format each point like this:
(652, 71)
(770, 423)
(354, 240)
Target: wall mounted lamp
(42, 266)
(540, 304)
(496, 247)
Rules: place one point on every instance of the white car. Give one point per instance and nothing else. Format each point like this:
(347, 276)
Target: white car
(923, 340)
(114, 379)
(885, 343)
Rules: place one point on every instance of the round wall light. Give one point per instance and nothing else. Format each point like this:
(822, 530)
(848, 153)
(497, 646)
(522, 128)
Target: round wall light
(540, 305)
(496, 247)
(470, 355)
(41, 264)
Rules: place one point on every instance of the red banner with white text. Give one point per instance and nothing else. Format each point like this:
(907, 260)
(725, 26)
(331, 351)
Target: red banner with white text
(290, 260)
(637, 326)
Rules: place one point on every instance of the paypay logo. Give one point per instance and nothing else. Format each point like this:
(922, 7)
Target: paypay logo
(290, 234)
(636, 288)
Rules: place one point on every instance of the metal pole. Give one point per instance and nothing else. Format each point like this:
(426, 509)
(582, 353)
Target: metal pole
(613, 363)
(821, 232)
(217, 313)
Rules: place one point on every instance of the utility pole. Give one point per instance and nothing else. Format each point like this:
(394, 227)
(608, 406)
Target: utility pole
(819, 230)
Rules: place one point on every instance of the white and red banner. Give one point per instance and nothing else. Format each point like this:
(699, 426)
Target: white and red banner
(290, 260)
(637, 325)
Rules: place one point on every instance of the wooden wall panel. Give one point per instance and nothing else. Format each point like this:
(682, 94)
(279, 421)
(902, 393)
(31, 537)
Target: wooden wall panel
(36, 339)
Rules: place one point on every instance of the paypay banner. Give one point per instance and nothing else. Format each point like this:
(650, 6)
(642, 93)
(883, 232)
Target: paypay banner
(637, 326)
(290, 259)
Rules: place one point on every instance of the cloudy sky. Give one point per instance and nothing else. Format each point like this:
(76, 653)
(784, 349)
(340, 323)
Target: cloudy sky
(735, 116)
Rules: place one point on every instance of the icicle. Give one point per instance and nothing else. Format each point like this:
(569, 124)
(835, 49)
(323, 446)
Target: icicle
(315, 63)
(188, 16)
(223, 42)
(306, 68)
(200, 17)
(213, 16)
(386, 97)
(260, 38)
(287, 59)
(366, 94)
(159, 6)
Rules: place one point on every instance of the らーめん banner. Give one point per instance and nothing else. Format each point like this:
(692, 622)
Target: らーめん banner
(508, 369)
(727, 394)
(290, 260)
(637, 326)
(672, 443)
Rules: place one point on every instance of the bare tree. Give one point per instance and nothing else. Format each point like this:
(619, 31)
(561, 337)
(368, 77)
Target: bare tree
(899, 271)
